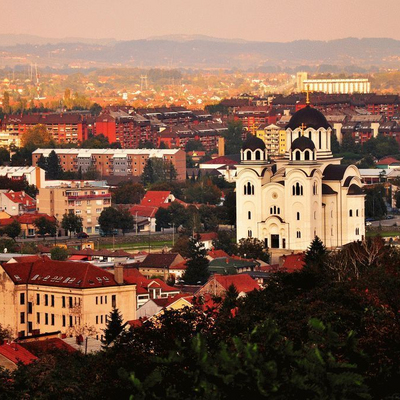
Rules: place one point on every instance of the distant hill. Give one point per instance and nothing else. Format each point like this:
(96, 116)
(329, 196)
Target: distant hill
(205, 52)
(13, 40)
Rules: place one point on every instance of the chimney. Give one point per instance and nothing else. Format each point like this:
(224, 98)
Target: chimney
(119, 273)
(221, 146)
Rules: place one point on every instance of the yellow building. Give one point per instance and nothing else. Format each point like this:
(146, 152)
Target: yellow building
(274, 138)
(86, 201)
(75, 298)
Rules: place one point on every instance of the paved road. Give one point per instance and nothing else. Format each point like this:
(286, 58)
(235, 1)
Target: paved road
(387, 222)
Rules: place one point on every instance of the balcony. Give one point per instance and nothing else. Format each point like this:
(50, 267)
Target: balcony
(90, 196)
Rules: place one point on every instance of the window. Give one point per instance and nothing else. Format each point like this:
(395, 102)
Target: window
(297, 155)
(357, 231)
(105, 299)
(101, 319)
(356, 213)
(114, 301)
(319, 140)
(52, 300)
(52, 319)
(46, 319)
(63, 301)
(298, 235)
(22, 317)
(70, 302)
(249, 215)
(101, 299)
(22, 298)
(97, 300)
(70, 320)
(38, 317)
(249, 233)
(63, 320)
(46, 299)
(248, 189)
(350, 213)
(38, 299)
(298, 216)
(297, 189)
(97, 319)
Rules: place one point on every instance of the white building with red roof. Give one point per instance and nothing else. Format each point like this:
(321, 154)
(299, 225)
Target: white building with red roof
(16, 203)
(70, 297)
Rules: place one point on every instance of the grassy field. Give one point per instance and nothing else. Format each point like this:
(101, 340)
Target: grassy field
(154, 245)
(383, 234)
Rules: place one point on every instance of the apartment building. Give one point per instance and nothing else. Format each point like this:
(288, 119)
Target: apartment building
(63, 127)
(274, 138)
(117, 162)
(79, 198)
(32, 175)
(127, 129)
(253, 116)
(75, 298)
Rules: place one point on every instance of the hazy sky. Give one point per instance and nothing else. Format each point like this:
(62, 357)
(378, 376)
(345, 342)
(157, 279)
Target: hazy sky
(266, 20)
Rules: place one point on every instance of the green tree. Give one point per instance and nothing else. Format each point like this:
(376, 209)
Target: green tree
(72, 223)
(128, 193)
(233, 137)
(113, 328)
(335, 146)
(59, 253)
(109, 220)
(203, 191)
(95, 109)
(54, 169)
(197, 264)
(158, 170)
(6, 103)
(252, 248)
(146, 145)
(397, 198)
(125, 220)
(45, 226)
(163, 218)
(225, 242)
(315, 255)
(375, 206)
(12, 230)
(194, 145)
(42, 162)
(35, 137)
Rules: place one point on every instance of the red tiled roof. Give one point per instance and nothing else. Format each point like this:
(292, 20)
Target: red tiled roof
(143, 211)
(222, 160)
(21, 198)
(28, 259)
(217, 253)
(164, 287)
(41, 346)
(155, 198)
(30, 218)
(59, 273)
(16, 353)
(387, 160)
(293, 262)
(160, 260)
(180, 266)
(208, 236)
(243, 283)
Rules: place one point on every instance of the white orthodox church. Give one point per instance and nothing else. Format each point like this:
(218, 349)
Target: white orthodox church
(308, 193)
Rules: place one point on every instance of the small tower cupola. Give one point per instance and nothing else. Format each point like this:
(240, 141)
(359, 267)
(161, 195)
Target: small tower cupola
(253, 150)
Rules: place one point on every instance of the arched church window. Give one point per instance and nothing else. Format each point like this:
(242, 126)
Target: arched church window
(249, 214)
(319, 140)
(258, 155)
(297, 189)
(298, 235)
(248, 155)
(248, 189)
(307, 155)
(249, 233)
(350, 213)
(298, 216)
(297, 155)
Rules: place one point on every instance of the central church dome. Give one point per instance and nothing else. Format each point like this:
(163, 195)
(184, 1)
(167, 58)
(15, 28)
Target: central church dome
(303, 143)
(308, 117)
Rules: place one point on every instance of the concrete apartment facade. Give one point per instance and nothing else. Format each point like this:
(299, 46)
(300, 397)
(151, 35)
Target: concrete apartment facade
(84, 200)
(75, 298)
(116, 162)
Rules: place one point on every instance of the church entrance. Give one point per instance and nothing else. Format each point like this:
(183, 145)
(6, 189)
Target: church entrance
(275, 241)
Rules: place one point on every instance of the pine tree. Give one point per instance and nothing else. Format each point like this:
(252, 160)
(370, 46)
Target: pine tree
(315, 254)
(197, 265)
(42, 163)
(114, 327)
(54, 170)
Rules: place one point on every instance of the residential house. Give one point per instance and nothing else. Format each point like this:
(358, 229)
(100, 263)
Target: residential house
(16, 203)
(217, 285)
(159, 264)
(11, 354)
(154, 307)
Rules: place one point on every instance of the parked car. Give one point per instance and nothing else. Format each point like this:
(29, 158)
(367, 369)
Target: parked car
(82, 235)
(389, 217)
(109, 233)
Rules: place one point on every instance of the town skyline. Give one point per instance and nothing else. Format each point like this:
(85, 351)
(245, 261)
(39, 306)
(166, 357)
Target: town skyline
(254, 20)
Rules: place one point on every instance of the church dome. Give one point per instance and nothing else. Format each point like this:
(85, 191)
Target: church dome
(308, 117)
(253, 143)
(303, 143)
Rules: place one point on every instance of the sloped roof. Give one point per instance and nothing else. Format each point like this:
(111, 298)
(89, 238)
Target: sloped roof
(155, 198)
(21, 198)
(160, 260)
(59, 273)
(387, 161)
(243, 283)
(40, 346)
(217, 253)
(327, 189)
(16, 353)
(334, 172)
(293, 262)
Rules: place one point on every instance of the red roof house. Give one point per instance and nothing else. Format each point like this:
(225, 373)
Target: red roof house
(217, 285)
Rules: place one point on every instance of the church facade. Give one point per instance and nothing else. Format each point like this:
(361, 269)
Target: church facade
(308, 193)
